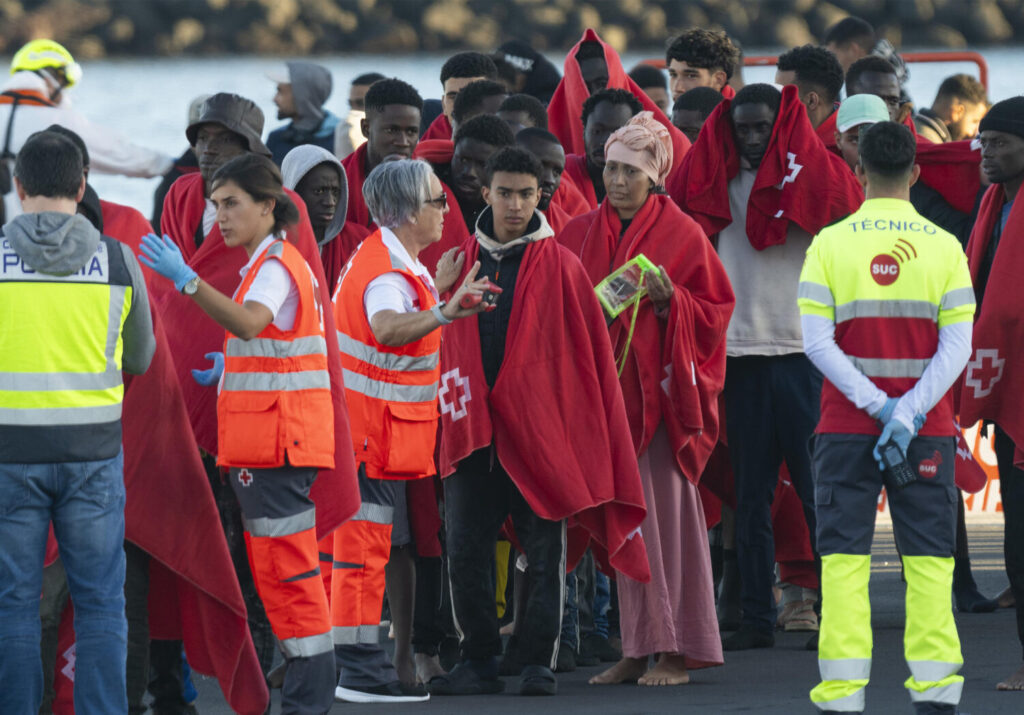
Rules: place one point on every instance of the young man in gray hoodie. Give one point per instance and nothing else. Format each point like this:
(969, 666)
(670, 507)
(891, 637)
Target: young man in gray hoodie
(75, 314)
(301, 93)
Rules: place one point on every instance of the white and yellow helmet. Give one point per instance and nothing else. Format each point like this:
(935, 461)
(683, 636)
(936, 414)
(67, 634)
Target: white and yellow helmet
(47, 55)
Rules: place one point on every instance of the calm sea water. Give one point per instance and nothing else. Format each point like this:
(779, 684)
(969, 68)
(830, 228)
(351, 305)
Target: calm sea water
(147, 99)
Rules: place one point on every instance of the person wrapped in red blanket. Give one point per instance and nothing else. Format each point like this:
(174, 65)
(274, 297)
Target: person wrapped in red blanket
(230, 126)
(603, 70)
(673, 353)
(391, 127)
(761, 182)
(533, 425)
(458, 70)
(315, 174)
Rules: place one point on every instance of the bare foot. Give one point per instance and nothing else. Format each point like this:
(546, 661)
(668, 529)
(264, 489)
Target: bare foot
(1006, 599)
(1014, 682)
(669, 670)
(427, 667)
(626, 670)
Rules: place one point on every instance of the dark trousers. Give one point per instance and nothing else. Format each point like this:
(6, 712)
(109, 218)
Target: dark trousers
(771, 410)
(1011, 489)
(432, 608)
(478, 498)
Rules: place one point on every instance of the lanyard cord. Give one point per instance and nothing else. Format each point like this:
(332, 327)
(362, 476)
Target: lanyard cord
(632, 324)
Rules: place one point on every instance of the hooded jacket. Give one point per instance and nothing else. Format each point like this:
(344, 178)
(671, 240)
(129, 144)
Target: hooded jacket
(311, 86)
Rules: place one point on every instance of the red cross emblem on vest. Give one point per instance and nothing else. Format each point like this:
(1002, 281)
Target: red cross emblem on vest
(984, 371)
(453, 395)
(245, 477)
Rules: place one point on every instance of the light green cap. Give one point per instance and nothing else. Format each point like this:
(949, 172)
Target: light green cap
(861, 109)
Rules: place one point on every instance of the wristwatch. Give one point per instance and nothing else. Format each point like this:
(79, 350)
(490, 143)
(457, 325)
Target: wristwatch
(191, 287)
(436, 310)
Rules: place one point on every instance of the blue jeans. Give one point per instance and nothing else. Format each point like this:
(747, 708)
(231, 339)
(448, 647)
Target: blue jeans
(85, 502)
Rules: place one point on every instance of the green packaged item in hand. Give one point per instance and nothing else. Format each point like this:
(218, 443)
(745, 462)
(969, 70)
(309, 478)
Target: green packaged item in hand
(625, 286)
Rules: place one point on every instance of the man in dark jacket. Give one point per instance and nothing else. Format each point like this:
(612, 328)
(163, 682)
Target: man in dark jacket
(301, 93)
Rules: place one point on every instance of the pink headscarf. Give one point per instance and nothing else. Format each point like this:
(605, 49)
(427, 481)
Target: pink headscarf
(643, 143)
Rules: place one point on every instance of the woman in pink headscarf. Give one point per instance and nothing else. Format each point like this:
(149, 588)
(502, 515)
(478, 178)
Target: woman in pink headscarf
(672, 353)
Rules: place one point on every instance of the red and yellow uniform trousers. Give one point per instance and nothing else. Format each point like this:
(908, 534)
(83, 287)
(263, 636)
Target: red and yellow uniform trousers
(391, 394)
(889, 280)
(275, 430)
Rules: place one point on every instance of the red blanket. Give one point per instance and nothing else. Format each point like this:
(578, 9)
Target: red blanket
(676, 365)
(555, 415)
(953, 169)
(455, 233)
(569, 198)
(576, 171)
(994, 378)
(557, 218)
(826, 131)
(436, 151)
(440, 128)
(191, 334)
(799, 180)
(335, 254)
(566, 107)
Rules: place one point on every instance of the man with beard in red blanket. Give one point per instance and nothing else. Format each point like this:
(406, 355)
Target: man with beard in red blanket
(545, 146)
(701, 58)
(230, 126)
(591, 66)
(819, 78)
(563, 454)
(674, 358)
(762, 182)
(391, 127)
(993, 380)
(316, 175)
(603, 113)
(458, 71)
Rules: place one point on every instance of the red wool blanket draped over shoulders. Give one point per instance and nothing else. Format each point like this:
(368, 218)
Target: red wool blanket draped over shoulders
(576, 171)
(994, 379)
(555, 415)
(454, 232)
(566, 107)
(191, 334)
(675, 368)
(799, 179)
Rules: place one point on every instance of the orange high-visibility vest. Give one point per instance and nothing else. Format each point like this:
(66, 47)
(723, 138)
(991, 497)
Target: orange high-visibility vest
(391, 391)
(275, 401)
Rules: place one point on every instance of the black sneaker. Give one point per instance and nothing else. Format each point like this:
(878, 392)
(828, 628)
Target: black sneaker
(566, 661)
(747, 638)
(595, 645)
(538, 680)
(396, 692)
(465, 679)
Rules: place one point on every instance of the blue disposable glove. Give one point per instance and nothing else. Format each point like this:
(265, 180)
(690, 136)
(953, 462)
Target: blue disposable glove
(919, 421)
(885, 415)
(211, 376)
(163, 256)
(894, 430)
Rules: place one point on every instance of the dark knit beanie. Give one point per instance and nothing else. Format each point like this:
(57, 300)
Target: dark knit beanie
(1006, 116)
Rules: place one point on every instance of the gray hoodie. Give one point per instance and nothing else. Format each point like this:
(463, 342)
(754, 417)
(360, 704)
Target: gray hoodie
(299, 162)
(311, 86)
(59, 244)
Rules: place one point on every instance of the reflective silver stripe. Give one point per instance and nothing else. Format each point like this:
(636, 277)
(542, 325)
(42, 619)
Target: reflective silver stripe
(942, 694)
(388, 391)
(281, 526)
(47, 381)
(276, 249)
(956, 298)
(386, 361)
(354, 635)
(932, 671)
(52, 416)
(375, 513)
(276, 381)
(396, 262)
(886, 309)
(881, 367)
(845, 669)
(267, 348)
(117, 296)
(307, 646)
(850, 704)
(816, 292)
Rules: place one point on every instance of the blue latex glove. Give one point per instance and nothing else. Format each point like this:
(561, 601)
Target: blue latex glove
(919, 421)
(211, 376)
(885, 415)
(163, 256)
(893, 430)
